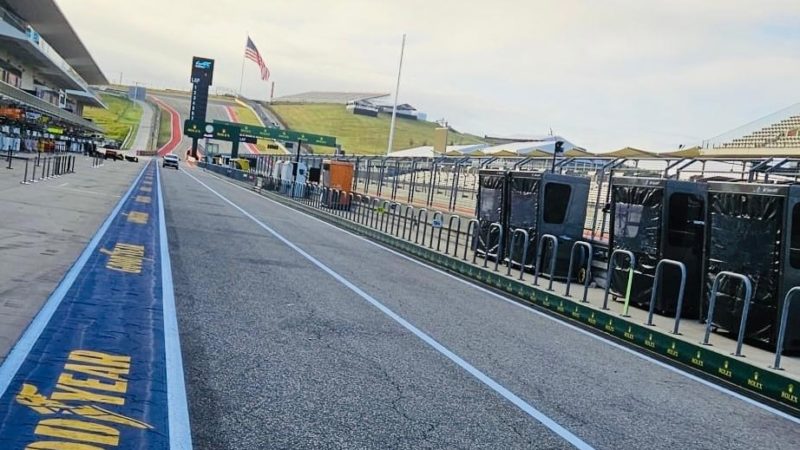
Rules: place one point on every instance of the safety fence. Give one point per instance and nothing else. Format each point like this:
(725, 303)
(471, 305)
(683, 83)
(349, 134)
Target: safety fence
(451, 241)
(450, 183)
(41, 167)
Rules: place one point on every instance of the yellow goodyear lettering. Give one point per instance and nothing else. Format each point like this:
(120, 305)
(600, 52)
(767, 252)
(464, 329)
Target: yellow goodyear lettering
(125, 258)
(78, 430)
(60, 445)
(75, 420)
(138, 217)
(142, 199)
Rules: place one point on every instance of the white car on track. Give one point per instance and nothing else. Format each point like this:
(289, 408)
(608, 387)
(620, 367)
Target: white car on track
(170, 161)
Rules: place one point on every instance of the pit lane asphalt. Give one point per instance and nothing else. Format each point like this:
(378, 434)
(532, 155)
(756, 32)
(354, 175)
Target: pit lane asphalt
(279, 354)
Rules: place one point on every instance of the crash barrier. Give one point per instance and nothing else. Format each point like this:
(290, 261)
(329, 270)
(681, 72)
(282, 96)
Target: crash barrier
(41, 168)
(713, 361)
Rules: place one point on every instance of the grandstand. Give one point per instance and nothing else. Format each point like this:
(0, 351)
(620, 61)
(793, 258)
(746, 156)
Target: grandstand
(780, 130)
(342, 98)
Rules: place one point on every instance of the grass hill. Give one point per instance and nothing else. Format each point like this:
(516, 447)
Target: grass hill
(361, 135)
(121, 117)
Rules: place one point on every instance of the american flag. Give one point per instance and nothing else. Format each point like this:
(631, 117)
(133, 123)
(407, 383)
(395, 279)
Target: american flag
(251, 53)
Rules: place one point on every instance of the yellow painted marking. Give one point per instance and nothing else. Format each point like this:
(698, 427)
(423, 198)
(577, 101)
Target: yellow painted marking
(142, 199)
(125, 258)
(100, 359)
(78, 430)
(29, 396)
(75, 394)
(59, 445)
(138, 217)
(67, 379)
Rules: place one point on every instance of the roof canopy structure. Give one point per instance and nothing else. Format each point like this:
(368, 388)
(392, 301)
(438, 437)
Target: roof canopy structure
(48, 20)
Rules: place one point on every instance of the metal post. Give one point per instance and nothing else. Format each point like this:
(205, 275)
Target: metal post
(472, 225)
(499, 245)
(449, 231)
(409, 209)
(588, 248)
(421, 224)
(787, 303)
(748, 288)
(537, 262)
(611, 261)
(25, 177)
(524, 233)
(441, 220)
(656, 285)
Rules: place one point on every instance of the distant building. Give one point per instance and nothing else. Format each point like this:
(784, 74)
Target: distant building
(362, 108)
(45, 75)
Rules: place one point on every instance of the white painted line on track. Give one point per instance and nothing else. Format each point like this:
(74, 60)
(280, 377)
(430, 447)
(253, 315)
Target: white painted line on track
(483, 378)
(28, 339)
(180, 435)
(578, 329)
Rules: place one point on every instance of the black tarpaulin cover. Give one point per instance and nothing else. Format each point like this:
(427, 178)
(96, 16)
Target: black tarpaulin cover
(490, 209)
(745, 236)
(524, 212)
(637, 228)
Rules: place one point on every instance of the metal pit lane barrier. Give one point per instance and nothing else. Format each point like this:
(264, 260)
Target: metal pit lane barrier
(748, 288)
(449, 231)
(657, 284)
(539, 250)
(472, 225)
(499, 245)
(587, 247)
(419, 224)
(611, 265)
(524, 233)
(787, 303)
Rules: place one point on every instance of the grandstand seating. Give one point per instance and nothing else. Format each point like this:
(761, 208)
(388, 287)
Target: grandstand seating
(783, 134)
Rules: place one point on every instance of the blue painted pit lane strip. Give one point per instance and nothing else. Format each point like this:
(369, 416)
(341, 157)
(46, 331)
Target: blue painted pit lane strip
(99, 366)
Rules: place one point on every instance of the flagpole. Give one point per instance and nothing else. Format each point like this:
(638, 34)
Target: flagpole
(241, 78)
(396, 93)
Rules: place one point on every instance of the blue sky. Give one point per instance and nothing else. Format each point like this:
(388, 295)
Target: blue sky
(604, 74)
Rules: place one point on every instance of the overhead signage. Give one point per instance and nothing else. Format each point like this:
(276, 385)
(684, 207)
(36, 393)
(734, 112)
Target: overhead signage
(196, 129)
(281, 135)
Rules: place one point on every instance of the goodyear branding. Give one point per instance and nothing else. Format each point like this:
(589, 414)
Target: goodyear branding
(77, 411)
(95, 378)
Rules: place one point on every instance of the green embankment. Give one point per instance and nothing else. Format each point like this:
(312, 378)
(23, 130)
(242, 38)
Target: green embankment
(164, 128)
(361, 135)
(122, 116)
